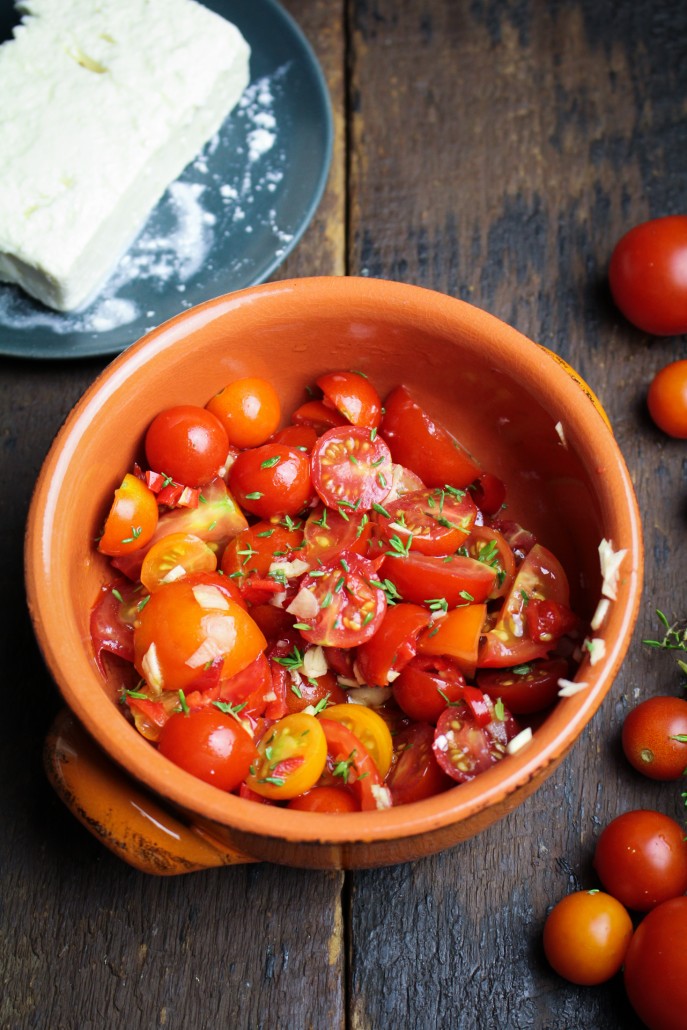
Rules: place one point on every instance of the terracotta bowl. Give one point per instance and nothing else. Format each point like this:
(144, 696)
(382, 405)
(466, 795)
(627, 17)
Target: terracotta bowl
(526, 415)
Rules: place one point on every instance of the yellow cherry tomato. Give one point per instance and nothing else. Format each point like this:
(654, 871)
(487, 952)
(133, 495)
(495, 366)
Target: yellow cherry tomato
(174, 556)
(369, 728)
(291, 758)
(132, 519)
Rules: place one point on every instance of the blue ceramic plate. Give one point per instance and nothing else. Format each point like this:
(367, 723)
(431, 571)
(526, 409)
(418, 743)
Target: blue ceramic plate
(229, 220)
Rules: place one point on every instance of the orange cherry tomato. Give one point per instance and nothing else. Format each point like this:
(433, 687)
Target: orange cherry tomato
(586, 937)
(457, 635)
(249, 409)
(291, 757)
(132, 519)
(352, 394)
(667, 399)
(174, 556)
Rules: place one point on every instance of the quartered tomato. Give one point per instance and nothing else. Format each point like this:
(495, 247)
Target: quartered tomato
(434, 521)
(457, 634)
(369, 728)
(112, 620)
(540, 577)
(423, 445)
(491, 547)
(415, 773)
(210, 744)
(187, 443)
(271, 480)
(318, 415)
(249, 409)
(291, 756)
(393, 645)
(174, 556)
(349, 760)
(354, 396)
(328, 532)
(340, 602)
(426, 686)
(132, 520)
(454, 579)
(525, 689)
(351, 468)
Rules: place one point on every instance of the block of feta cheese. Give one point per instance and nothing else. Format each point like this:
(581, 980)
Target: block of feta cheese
(103, 105)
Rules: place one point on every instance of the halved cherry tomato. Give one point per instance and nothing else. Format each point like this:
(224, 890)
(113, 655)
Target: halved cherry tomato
(348, 759)
(423, 445)
(369, 728)
(271, 480)
(427, 685)
(415, 773)
(209, 744)
(291, 756)
(457, 634)
(303, 438)
(524, 689)
(328, 532)
(393, 645)
(541, 576)
(112, 620)
(491, 547)
(325, 799)
(435, 521)
(132, 519)
(318, 415)
(347, 608)
(187, 443)
(461, 747)
(354, 396)
(256, 549)
(489, 493)
(454, 579)
(249, 409)
(174, 556)
(351, 468)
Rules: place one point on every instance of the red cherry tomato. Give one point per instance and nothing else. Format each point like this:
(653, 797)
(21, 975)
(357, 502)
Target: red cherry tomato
(318, 416)
(251, 553)
(586, 937)
(349, 760)
(655, 972)
(132, 520)
(423, 445)
(525, 689)
(354, 396)
(249, 409)
(271, 480)
(429, 521)
(351, 468)
(654, 738)
(648, 275)
(393, 645)
(209, 744)
(489, 493)
(187, 443)
(488, 545)
(428, 577)
(347, 608)
(328, 532)
(641, 859)
(426, 686)
(464, 748)
(325, 799)
(415, 773)
(667, 399)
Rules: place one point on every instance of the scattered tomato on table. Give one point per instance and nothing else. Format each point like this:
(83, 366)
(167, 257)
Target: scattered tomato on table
(648, 275)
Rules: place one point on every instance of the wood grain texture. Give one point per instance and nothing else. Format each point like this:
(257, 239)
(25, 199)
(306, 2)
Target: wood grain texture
(494, 151)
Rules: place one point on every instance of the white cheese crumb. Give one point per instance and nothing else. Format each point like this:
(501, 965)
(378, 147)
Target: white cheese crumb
(600, 613)
(569, 687)
(610, 561)
(520, 741)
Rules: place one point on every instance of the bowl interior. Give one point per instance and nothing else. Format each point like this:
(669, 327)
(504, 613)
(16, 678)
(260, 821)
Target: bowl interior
(506, 399)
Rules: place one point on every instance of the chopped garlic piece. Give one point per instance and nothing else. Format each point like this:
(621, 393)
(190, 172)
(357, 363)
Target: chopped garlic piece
(314, 663)
(210, 597)
(178, 572)
(610, 567)
(152, 669)
(519, 741)
(561, 433)
(393, 675)
(289, 569)
(371, 697)
(569, 687)
(304, 605)
(596, 648)
(600, 613)
(220, 638)
(382, 795)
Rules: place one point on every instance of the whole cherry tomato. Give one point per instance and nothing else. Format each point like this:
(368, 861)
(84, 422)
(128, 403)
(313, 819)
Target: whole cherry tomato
(271, 480)
(210, 744)
(648, 275)
(187, 443)
(667, 399)
(654, 738)
(641, 859)
(249, 409)
(586, 937)
(656, 967)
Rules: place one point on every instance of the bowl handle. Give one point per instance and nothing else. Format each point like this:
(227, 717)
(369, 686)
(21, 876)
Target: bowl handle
(120, 814)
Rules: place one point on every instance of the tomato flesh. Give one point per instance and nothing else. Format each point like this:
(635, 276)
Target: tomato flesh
(351, 468)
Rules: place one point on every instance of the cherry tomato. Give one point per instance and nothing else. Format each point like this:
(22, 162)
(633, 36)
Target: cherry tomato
(303, 438)
(349, 760)
(354, 396)
(209, 744)
(112, 620)
(249, 409)
(525, 689)
(271, 480)
(586, 937)
(641, 859)
(489, 493)
(415, 773)
(291, 756)
(540, 576)
(369, 728)
(488, 545)
(351, 468)
(393, 645)
(318, 415)
(325, 799)
(328, 532)
(667, 399)
(426, 686)
(655, 973)
(252, 552)
(433, 521)
(347, 608)
(184, 627)
(423, 445)
(648, 275)
(465, 746)
(457, 635)
(187, 443)
(174, 556)
(548, 620)
(132, 519)
(455, 579)
(654, 738)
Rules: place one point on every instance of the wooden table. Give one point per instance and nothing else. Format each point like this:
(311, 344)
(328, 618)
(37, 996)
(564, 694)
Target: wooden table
(494, 152)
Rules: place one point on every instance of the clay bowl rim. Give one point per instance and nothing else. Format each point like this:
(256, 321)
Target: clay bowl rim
(366, 298)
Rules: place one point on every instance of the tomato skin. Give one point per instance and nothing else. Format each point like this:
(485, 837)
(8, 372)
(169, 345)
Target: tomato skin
(586, 937)
(328, 532)
(325, 799)
(650, 738)
(393, 645)
(415, 773)
(641, 859)
(187, 443)
(423, 445)
(209, 744)
(132, 519)
(426, 686)
(351, 468)
(423, 577)
(271, 480)
(249, 409)
(112, 621)
(655, 974)
(354, 396)
(252, 552)
(490, 546)
(524, 692)
(349, 607)
(174, 556)
(667, 399)
(648, 275)
(461, 747)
